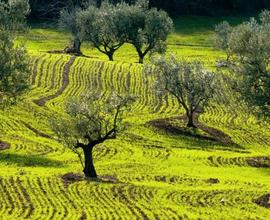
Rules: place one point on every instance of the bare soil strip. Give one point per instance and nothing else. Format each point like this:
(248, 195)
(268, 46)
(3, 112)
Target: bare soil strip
(65, 81)
(259, 162)
(4, 145)
(213, 133)
(37, 132)
(263, 201)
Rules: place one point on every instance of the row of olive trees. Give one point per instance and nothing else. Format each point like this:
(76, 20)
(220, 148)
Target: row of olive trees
(110, 26)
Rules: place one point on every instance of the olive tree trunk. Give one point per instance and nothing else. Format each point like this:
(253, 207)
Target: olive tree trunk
(141, 55)
(74, 47)
(190, 116)
(110, 55)
(89, 169)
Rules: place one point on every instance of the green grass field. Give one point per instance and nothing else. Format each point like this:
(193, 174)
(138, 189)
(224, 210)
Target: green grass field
(159, 176)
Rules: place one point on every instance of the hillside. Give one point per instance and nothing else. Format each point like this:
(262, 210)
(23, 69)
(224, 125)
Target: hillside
(147, 173)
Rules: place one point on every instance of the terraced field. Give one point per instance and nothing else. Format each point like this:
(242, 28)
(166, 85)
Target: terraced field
(146, 173)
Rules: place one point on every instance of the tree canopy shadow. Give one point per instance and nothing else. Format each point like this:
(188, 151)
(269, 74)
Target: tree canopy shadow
(28, 160)
(204, 137)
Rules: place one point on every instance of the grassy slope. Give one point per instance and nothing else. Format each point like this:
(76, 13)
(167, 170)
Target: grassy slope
(160, 176)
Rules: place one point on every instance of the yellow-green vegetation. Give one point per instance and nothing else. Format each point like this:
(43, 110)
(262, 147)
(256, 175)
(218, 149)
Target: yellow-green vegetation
(155, 175)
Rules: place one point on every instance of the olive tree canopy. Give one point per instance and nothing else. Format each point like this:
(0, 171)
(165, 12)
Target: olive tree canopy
(14, 66)
(189, 82)
(250, 47)
(103, 27)
(90, 121)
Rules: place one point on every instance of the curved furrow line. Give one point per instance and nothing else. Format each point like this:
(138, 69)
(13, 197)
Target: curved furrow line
(54, 74)
(103, 151)
(65, 82)
(113, 73)
(143, 196)
(52, 196)
(73, 88)
(98, 207)
(27, 206)
(38, 202)
(119, 209)
(113, 209)
(21, 135)
(46, 203)
(222, 161)
(156, 151)
(42, 91)
(121, 79)
(75, 192)
(36, 131)
(165, 107)
(7, 202)
(78, 80)
(48, 73)
(15, 205)
(44, 71)
(137, 107)
(243, 127)
(35, 67)
(257, 162)
(63, 197)
(121, 193)
(211, 198)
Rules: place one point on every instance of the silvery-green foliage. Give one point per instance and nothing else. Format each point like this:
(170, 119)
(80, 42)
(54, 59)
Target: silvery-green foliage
(103, 26)
(14, 66)
(250, 46)
(90, 117)
(188, 81)
(223, 31)
(12, 15)
(150, 31)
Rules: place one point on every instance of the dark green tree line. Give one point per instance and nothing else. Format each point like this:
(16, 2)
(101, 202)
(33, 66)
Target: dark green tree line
(50, 9)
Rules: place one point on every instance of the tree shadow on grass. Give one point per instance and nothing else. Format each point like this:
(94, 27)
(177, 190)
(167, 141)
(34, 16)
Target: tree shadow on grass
(204, 137)
(28, 160)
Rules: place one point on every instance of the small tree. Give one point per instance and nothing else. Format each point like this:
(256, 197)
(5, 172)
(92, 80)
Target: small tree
(68, 22)
(250, 45)
(102, 27)
(223, 31)
(191, 85)
(90, 122)
(14, 66)
(151, 34)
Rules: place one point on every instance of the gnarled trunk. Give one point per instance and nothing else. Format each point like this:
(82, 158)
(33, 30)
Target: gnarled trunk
(140, 54)
(190, 117)
(89, 169)
(141, 58)
(110, 55)
(74, 47)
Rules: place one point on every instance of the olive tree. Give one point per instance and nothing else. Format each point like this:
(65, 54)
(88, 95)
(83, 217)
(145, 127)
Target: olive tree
(102, 27)
(90, 121)
(149, 35)
(14, 66)
(68, 22)
(250, 45)
(189, 82)
(223, 31)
